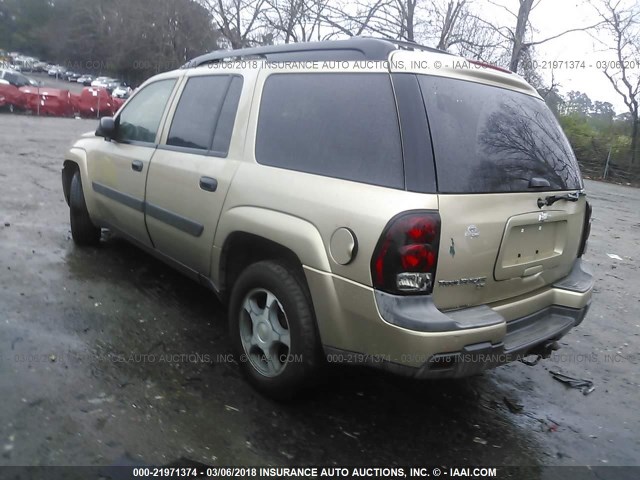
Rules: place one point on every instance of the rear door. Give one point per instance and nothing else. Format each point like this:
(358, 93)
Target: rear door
(498, 154)
(191, 171)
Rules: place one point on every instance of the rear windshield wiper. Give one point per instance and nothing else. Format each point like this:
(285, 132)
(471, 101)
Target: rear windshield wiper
(551, 199)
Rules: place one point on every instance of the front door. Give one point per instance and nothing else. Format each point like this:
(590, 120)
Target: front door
(118, 170)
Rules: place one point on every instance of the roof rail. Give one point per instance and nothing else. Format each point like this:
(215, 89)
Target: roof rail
(407, 45)
(354, 48)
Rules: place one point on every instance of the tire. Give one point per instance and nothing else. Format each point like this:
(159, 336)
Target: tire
(283, 370)
(83, 231)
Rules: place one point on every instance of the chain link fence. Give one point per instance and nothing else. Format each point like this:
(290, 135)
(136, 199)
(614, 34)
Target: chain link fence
(612, 168)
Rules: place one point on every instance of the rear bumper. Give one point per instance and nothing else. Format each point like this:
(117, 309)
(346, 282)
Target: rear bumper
(410, 336)
(525, 336)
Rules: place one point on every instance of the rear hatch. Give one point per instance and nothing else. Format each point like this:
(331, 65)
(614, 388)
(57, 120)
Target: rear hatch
(500, 154)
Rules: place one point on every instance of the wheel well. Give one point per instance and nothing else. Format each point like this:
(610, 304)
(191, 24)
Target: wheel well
(242, 249)
(68, 170)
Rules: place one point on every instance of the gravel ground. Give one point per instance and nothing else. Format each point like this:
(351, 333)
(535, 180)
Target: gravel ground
(89, 373)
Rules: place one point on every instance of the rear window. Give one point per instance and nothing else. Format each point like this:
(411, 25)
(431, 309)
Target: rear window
(488, 139)
(340, 125)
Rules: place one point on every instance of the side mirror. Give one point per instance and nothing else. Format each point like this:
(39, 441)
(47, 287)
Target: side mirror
(107, 128)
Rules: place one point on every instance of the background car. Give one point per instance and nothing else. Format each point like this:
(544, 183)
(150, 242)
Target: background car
(56, 71)
(101, 82)
(85, 80)
(122, 90)
(17, 79)
(39, 67)
(112, 83)
(72, 76)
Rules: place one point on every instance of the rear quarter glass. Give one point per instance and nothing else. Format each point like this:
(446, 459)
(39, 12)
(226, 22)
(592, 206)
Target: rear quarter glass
(488, 139)
(340, 125)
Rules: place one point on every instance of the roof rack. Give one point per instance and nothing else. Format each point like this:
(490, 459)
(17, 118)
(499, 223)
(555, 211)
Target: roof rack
(407, 45)
(355, 48)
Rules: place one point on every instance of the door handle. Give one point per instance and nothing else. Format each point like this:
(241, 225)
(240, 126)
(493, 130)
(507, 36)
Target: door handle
(136, 166)
(208, 184)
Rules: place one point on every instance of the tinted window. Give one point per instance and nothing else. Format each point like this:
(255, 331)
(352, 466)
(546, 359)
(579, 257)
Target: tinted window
(490, 139)
(340, 125)
(205, 108)
(140, 119)
(224, 128)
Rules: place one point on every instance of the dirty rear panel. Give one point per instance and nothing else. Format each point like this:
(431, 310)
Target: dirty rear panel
(495, 248)
(499, 155)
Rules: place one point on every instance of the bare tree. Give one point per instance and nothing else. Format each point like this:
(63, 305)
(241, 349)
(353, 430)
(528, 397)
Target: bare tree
(522, 18)
(406, 18)
(515, 39)
(295, 20)
(239, 21)
(449, 22)
(623, 26)
(359, 18)
(454, 26)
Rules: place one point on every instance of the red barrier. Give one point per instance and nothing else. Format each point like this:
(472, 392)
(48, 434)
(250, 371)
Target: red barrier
(90, 103)
(11, 95)
(95, 103)
(117, 103)
(48, 101)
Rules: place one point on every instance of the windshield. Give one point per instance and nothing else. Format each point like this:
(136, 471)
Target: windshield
(488, 139)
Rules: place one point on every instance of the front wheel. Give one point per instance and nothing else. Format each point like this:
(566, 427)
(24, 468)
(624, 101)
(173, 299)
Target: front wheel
(272, 327)
(83, 231)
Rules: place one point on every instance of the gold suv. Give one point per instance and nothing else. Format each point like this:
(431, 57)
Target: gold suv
(357, 201)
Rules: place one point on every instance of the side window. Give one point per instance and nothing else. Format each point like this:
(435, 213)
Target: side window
(342, 125)
(140, 119)
(206, 113)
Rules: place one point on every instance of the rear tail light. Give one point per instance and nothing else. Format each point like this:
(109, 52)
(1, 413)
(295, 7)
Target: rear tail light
(586, 230)
(405, 259)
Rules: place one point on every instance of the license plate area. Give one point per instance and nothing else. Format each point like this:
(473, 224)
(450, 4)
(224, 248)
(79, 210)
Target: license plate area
(531, 244)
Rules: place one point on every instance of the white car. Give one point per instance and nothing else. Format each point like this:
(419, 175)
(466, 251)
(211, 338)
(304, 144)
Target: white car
(56, 71)
(85, 80)
(121, 91)
(101, 82)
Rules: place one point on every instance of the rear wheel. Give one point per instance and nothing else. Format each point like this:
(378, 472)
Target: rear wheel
(83, 231)
(272, 327)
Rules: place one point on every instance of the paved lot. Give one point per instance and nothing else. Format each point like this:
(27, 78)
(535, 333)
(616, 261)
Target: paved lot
(52, 82)
(108, 354)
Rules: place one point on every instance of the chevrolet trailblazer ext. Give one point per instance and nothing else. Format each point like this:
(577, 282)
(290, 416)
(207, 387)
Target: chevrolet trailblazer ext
(428, 219)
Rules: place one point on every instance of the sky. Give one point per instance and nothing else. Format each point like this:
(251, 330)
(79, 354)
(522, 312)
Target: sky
(551, 17)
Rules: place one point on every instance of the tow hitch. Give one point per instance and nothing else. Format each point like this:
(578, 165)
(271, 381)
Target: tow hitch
(543, 350)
